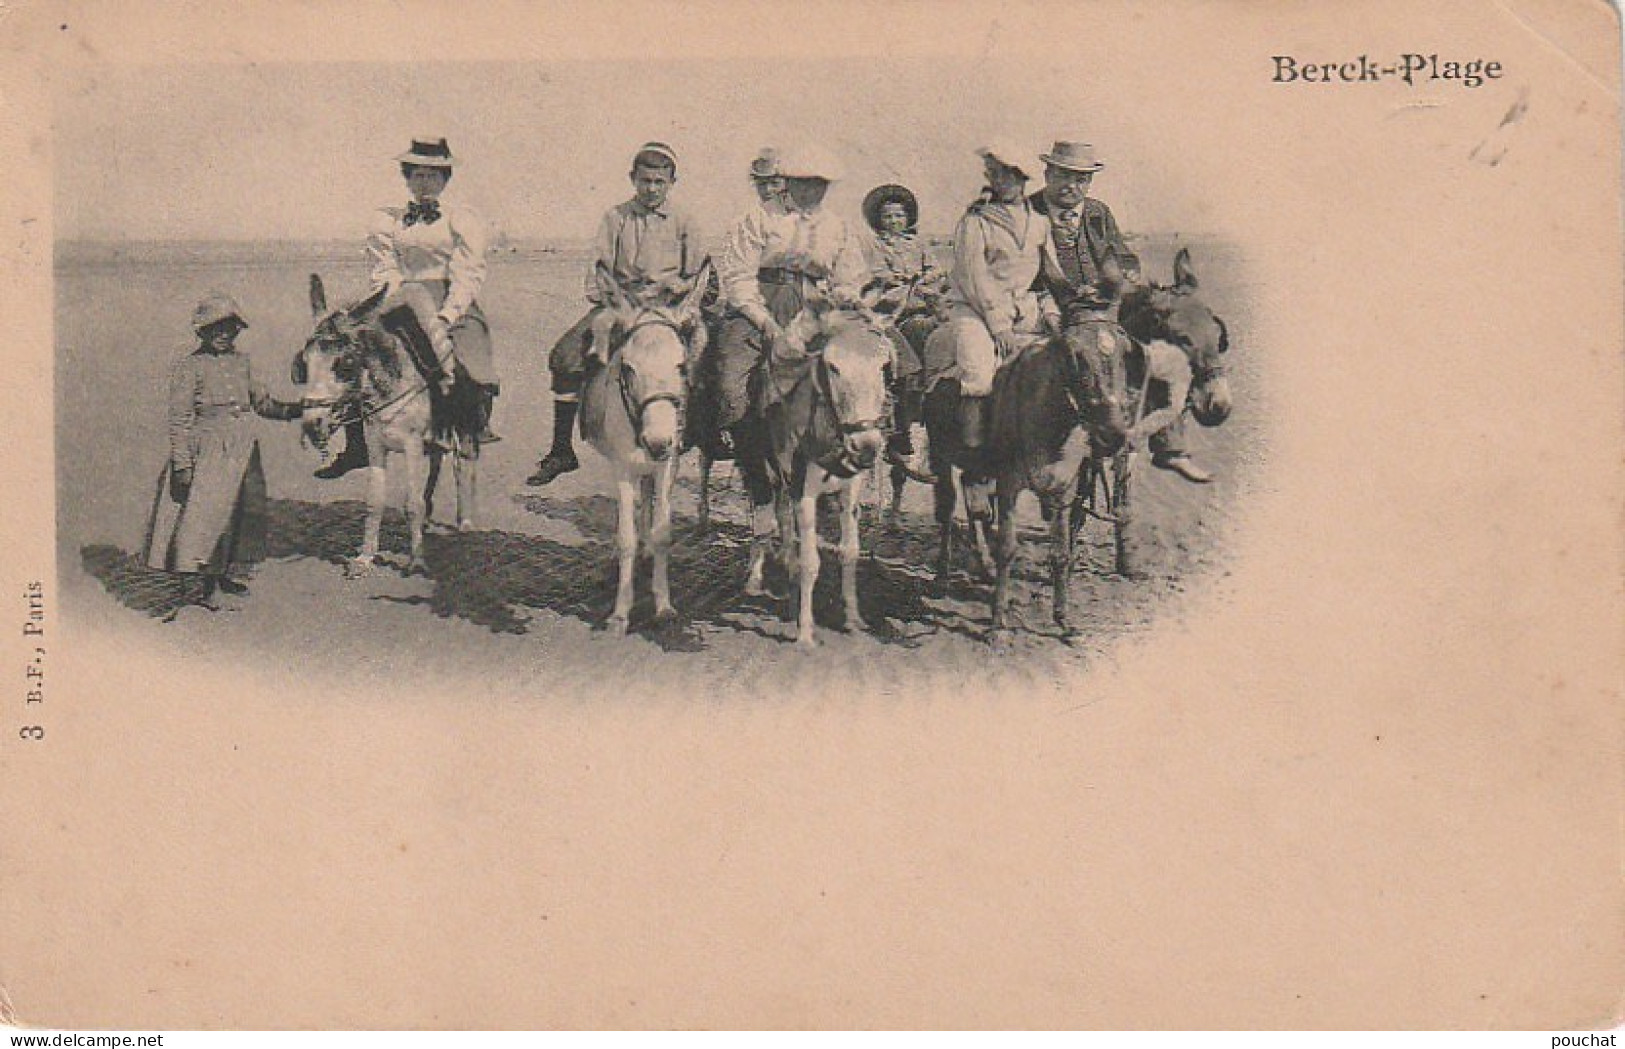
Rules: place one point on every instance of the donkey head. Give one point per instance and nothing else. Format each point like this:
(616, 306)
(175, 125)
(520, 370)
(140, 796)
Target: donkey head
(850, 369)
(1177, 315)
(332, 360)
(653, 330)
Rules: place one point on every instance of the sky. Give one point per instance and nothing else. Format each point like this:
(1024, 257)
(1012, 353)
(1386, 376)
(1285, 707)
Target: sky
(306, 150)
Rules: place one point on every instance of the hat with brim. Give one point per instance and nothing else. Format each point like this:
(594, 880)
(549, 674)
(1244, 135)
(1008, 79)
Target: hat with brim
(891, 193)
(1011, 157)
(428, 153)
(1072, 156)
(766, 164)
(810, 162)
(217, 307)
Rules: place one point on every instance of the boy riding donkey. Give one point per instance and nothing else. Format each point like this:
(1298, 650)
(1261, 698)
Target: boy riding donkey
(647, 244)
(433, 254)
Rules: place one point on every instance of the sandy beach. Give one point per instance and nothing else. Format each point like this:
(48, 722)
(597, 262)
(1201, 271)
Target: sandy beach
(535, 581)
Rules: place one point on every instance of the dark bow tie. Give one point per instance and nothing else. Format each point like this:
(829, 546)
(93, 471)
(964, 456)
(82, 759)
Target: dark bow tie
(427, 212)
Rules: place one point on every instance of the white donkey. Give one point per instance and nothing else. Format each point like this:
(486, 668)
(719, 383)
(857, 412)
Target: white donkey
(631, 413)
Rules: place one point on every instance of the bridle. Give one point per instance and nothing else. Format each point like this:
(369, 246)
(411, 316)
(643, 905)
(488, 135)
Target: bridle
(839, 460)
(352, 402)
(636, 407)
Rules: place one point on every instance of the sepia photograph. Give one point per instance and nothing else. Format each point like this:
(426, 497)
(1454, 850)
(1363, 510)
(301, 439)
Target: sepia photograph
(1069, 515)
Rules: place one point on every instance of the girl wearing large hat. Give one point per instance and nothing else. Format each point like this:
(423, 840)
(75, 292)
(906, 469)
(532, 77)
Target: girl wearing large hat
(441, 247)
(209, 513)
(913, 287)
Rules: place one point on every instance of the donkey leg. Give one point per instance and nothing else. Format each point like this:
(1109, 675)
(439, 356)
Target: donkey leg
(434, 458)
(704, 524)
(1060, 561)
(626, 541)
(945, 497)
(850, 501)
(467, 469)
(415, 507)
(376, 491)
(1004, 559)
(894, 509)
(658, 489)
(808, 561)
(762, 524)
(979, 513)
(1128, 554)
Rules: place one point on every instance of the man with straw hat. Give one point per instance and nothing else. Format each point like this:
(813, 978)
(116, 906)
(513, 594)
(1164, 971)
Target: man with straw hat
(1086, 269)
(645, 243)
(441, 248)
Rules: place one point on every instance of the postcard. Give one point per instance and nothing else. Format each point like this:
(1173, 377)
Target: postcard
(1086, 515)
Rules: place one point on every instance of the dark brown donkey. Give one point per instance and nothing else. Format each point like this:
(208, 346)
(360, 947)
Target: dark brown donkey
(1058, 398)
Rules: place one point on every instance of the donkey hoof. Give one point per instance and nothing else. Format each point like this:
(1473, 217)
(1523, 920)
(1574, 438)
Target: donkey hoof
(807, 641)
(465, 525)
(417, 567)
(616, 626)
(358, 568)
(754, 587)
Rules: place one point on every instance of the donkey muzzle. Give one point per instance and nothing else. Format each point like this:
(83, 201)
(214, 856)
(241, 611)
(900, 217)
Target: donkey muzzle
(862, 446)
(1210, 401)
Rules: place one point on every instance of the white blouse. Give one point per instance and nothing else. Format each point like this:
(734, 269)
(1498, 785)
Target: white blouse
(450, 249)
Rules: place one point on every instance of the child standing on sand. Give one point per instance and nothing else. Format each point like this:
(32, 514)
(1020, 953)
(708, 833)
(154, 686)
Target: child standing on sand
(209, 513)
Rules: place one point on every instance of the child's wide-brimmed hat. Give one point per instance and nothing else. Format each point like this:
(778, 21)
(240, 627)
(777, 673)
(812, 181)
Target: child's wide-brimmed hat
(218, 306)
(428, 153)
(891, 193)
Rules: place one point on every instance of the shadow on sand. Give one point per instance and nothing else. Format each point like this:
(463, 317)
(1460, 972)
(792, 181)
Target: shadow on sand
(495, 579)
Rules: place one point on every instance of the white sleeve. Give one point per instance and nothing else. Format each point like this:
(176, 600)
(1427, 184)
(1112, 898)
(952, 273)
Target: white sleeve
(386, 265)
(470, 242)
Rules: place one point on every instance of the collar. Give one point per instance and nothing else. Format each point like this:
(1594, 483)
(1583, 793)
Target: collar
(638, 207)
(1014, 218)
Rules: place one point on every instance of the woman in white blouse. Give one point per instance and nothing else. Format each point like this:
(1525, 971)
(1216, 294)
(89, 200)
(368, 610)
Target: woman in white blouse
(441, 247)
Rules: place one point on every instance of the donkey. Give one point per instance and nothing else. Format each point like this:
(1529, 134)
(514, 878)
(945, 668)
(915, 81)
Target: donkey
(818, 432)
(363, 361)
(1061, 395)
(631, 413)
(1177, 361)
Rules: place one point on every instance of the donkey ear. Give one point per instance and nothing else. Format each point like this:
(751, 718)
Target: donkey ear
(613, 294)
(318, 296)
(689, 305)
(368, 304)
(1184, 275)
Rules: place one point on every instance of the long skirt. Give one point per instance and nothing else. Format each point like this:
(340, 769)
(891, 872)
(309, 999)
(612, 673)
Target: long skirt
(223, 521)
